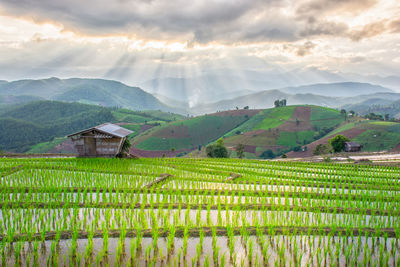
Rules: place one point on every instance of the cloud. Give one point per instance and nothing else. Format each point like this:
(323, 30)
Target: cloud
(157, 19)
(305, 49)
(394, 26)
(200, 21)
(319, 8)
(368, 31)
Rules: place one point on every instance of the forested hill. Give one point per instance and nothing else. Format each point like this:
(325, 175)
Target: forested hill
(25, 125)
(35, 122)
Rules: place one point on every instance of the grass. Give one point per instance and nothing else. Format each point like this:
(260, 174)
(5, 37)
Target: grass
(343, 128)
(384, 123)
(46, 146)
(377, 140)
(250, 124)
(275, 117)
(166, 144)
(201, 131)
(291, 139)
(322, 117)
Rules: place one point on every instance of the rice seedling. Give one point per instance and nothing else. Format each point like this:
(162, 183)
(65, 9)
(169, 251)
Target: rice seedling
(287, 213)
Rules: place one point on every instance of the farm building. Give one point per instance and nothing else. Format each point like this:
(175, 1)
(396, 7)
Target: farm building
(104, 140)
(352, 147)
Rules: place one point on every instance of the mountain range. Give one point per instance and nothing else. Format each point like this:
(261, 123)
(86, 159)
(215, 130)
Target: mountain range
(109, 93)
(35, 116)
(106, 93)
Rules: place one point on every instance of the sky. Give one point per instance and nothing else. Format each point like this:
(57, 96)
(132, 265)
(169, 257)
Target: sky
(136, 40)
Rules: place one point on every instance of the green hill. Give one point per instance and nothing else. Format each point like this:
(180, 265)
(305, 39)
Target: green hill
(192, 133)
(372, 135)
(283, 129)
(278, 129)
(33, 126)
(35, 122)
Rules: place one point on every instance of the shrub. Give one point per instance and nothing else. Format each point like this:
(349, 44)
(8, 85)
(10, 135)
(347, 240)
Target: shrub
(338, 142)
(267, 154)
(320, 149)
(217, 150)
(240, 151)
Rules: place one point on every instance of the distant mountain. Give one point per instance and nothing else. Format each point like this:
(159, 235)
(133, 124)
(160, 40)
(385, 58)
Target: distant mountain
(346, 89)
(208, 88)
(378, 106)
(94, 91)
(12, 100)
(341, 95)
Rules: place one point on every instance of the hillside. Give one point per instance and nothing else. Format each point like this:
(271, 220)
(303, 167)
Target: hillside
(184, 136)
(34, 126)
(283, 129)
(90, 91)
(35, 122)
(372, 135)
(278, 129)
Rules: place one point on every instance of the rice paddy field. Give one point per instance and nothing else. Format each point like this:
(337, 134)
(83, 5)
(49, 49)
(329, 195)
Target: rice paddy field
(197, 212)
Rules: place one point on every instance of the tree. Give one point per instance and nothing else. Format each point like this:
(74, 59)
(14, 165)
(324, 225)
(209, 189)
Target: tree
(344, 113)
(217, 150)
(338, 142)
(387, 117)
(320, 149)
(280, 103)
(267, 154)
(246, 107)
(240, 151)
(297, 148)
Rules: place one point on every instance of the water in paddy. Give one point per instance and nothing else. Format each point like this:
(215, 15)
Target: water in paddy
(247, 251)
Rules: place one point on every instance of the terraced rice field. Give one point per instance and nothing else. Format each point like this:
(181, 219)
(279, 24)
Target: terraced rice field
(197, 212)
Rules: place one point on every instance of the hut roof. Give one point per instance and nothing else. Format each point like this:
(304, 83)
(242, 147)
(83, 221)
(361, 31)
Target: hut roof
(107, 129)
(353, 144)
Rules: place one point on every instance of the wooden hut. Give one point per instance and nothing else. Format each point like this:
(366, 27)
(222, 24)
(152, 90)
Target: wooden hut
(104, 140)
(352, 147)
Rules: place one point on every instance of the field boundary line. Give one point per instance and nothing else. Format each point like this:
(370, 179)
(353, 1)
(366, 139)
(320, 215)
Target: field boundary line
(232, 207)
(163, 177)
(210, 192)
(207, 231)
